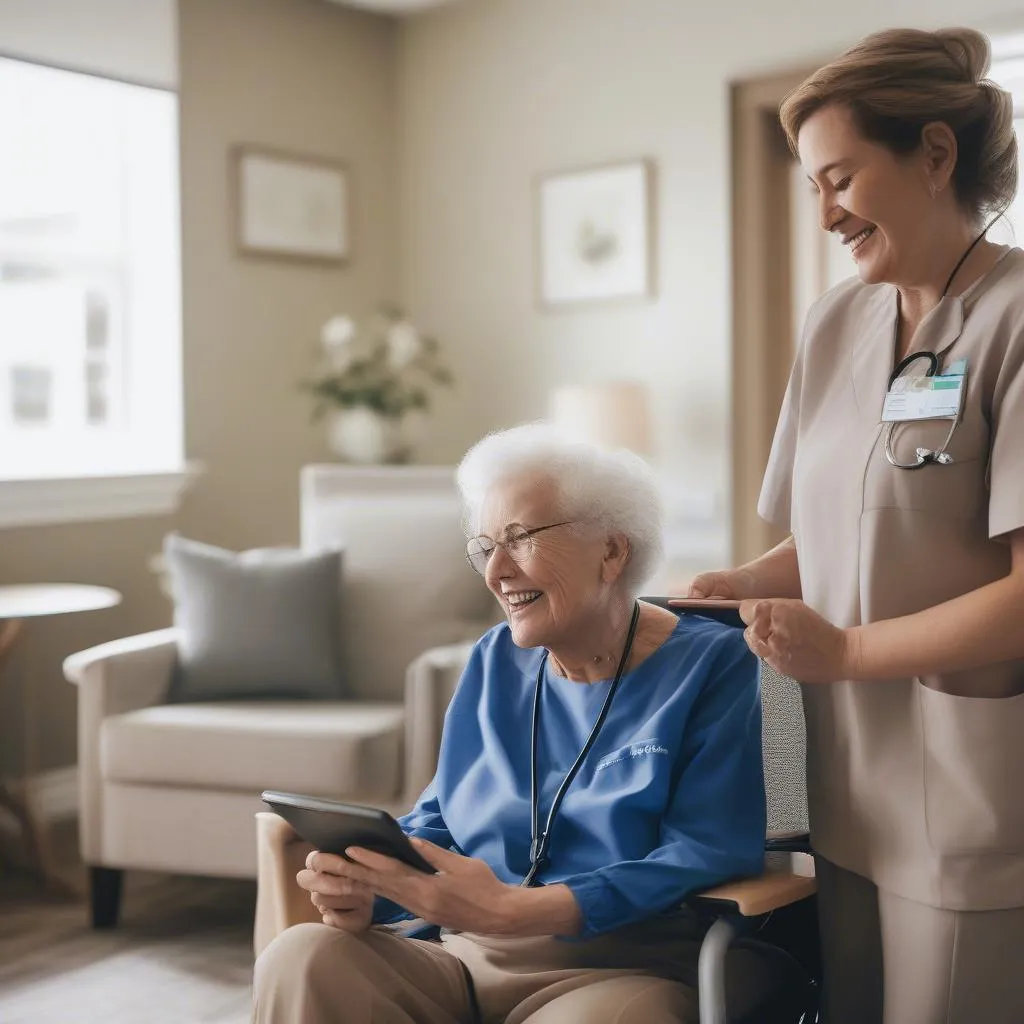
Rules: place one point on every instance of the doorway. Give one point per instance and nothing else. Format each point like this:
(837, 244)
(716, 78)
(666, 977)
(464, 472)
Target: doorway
(782, 261)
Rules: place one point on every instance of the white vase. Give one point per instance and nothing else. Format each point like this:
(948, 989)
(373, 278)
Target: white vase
(363, 436)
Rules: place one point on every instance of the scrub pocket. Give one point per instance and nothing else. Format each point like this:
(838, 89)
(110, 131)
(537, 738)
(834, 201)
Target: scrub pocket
(957, 490)
(973, 772)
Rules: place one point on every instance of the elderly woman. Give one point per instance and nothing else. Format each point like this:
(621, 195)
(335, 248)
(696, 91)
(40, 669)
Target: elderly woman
(898, 467)
(601, 759)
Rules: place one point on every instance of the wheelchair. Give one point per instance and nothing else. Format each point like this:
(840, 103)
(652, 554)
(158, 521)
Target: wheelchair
(776, 913)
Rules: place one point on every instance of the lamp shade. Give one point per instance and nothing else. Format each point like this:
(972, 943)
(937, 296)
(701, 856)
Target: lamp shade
(611, 413)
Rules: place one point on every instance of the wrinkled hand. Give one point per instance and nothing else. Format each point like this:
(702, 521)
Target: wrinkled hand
(344, 903)
(797, 641)
(733, 585)
(464, 895)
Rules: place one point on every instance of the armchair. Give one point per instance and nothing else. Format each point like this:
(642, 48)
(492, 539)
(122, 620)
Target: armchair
(174, 787)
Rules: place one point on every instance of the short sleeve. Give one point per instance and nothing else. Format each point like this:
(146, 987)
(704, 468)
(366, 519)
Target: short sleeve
(775, 503)
(1006, 462)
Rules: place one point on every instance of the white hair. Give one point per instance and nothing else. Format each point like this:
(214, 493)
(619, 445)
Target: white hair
(614, 489)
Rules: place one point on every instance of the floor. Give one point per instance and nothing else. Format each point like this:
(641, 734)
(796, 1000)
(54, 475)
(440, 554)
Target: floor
(181, 955)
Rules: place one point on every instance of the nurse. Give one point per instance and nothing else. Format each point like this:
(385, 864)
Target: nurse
(898, 599)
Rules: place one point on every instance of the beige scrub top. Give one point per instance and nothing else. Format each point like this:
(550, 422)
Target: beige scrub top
(916, 784)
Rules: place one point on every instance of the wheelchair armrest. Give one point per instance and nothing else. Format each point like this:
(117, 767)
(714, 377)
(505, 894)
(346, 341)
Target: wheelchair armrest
(751, 897)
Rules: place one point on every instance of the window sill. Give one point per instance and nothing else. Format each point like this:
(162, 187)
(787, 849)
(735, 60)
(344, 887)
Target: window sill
(38, 502)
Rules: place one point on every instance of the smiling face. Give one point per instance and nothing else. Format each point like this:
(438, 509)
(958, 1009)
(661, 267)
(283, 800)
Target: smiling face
(879, 203)
(553, 591)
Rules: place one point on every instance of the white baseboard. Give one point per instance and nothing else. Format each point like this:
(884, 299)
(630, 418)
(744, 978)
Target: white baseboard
(55, 793)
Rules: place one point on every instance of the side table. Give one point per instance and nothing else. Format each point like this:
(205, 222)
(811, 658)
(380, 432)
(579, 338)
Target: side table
(18, 603)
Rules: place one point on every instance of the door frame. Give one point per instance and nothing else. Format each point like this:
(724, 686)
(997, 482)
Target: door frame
(762, 288)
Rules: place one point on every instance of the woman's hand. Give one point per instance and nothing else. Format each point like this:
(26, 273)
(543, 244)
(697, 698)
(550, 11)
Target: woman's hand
(733, 585)
(797, 641)
(344, 903)
(464, 895)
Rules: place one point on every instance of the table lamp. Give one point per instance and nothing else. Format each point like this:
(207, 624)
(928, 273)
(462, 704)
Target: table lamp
(610, 413)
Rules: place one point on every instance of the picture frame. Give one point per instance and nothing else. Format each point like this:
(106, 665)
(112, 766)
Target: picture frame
(290, 206)
(595, 234)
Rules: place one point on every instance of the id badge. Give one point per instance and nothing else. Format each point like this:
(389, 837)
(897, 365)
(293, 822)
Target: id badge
(924, 398)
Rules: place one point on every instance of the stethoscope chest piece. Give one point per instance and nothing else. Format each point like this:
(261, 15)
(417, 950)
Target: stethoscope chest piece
(943, 458)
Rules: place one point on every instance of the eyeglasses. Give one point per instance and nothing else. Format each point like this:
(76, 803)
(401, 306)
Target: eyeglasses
(518, 545)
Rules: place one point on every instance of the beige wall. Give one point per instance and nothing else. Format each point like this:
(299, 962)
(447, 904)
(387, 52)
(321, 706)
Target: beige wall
(495, 92)
(296, 74)
(305, 76)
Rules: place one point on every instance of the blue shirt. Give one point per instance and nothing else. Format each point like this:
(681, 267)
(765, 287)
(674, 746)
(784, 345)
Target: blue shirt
(669, 800)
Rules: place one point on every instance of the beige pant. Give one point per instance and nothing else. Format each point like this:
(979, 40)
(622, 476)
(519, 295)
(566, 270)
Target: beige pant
(889, 960)
(313, 974)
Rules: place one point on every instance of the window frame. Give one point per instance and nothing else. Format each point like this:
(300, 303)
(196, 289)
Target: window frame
(136, 488)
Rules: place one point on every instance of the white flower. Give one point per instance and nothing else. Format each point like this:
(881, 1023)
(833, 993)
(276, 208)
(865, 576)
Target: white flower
(404, 345)
(337, 333)
(336, 337)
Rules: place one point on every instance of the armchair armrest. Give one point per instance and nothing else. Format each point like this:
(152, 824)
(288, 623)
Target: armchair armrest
(430, 682)
(280, 903)
(127, 674)
(123, 675)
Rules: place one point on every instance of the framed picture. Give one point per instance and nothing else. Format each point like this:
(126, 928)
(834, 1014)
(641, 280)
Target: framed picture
(289, 206)
(596, 234)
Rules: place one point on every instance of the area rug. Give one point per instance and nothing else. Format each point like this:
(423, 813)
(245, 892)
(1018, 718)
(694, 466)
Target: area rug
(181, 955)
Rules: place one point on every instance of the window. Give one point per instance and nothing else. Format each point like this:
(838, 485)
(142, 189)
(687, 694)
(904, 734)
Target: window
(90, 335)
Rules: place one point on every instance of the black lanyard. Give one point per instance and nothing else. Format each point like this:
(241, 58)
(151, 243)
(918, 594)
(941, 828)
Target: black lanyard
(540, 842)
(932, 357)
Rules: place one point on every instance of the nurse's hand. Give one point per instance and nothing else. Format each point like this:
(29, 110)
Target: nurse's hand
(797, 641)
(733, 585)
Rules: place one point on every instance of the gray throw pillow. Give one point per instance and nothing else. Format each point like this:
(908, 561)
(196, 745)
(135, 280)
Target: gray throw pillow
(262, 623)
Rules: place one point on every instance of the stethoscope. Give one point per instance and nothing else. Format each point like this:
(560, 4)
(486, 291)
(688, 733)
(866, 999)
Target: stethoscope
(540, 841)
(923, 456)
(928, 456)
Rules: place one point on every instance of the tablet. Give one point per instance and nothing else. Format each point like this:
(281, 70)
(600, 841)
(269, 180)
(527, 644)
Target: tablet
(332, 827)
(721, 609)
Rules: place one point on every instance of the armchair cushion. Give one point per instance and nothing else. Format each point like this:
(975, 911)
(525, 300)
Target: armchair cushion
(261, 623)
(333, 749)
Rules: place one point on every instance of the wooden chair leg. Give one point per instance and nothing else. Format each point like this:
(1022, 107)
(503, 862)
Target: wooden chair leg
(10, 630)
(35, 842)
(19, 802)
(105, 895)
